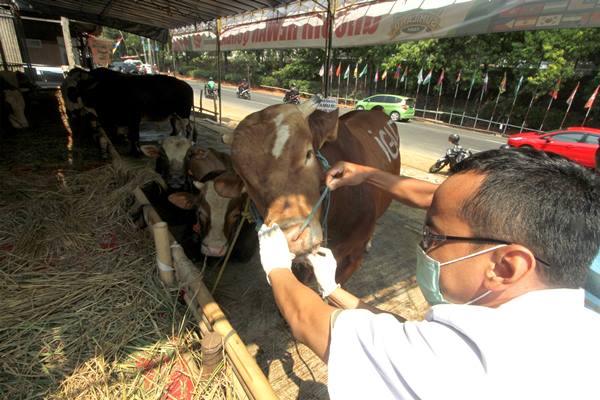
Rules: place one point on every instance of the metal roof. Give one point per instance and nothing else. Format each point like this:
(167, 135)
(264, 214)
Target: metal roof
(149, 18)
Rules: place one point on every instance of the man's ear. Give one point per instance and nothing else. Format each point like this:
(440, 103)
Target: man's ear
(323, 126)
(512, 263)
(183, 200)
(150, 150)
(229, 185)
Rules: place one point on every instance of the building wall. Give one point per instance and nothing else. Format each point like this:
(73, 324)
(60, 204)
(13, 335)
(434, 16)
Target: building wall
(8, 37)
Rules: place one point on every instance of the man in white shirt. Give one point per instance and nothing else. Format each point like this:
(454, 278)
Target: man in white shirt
(506, 245)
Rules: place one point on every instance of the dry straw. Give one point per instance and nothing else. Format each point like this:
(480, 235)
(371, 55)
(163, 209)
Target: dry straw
(84, 314)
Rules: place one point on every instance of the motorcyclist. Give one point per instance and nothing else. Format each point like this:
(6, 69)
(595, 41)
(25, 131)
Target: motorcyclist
(244, 85)
(291, 93)
(210, 85)
(453, 155)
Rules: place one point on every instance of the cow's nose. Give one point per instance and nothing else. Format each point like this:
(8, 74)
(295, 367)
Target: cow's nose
(214, 251)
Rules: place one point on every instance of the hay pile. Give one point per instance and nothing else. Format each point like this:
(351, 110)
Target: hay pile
(84, 315)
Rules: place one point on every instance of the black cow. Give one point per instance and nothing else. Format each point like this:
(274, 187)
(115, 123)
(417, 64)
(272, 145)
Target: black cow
(123, 100)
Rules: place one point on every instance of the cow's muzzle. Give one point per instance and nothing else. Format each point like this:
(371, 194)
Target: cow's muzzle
(213, 251)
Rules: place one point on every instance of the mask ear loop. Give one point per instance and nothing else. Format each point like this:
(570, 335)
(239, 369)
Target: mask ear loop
(481, 296)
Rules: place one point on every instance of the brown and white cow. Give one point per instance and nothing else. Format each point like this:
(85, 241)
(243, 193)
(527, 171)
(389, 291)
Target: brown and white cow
(218, 204)
(273, 151)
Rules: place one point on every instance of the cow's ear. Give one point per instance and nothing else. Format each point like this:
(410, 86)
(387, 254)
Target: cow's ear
(229, 185)
(323, 126)
(150, 150)
(183, 200)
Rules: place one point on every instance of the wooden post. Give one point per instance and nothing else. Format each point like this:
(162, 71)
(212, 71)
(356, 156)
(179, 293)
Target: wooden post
(197, 296)
(163, 253)
(64, 23)
(212, 353)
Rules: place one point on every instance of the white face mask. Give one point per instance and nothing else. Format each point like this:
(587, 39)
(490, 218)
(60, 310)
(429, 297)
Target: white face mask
(428, 275)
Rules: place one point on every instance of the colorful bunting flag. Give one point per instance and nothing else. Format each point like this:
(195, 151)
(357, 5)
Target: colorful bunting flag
(364, 71)
(554, 92)
(502, 87)
(428, 77)
(347, 72)
(572, 96)
(592, 98)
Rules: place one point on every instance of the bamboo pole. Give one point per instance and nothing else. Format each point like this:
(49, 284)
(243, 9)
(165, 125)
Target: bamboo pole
(164, 262)
(188, 276)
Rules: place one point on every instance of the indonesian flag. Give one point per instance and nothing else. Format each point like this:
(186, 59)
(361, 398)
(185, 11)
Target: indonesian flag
(572, 96)
(441, 78)
(384, 75)
(322, 71)
(554, 92)
(592, 98)
(376, 75)
(338, 71)
(458, 76)
(397, 73)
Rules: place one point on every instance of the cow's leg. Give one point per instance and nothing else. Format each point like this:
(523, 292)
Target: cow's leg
(133, 134)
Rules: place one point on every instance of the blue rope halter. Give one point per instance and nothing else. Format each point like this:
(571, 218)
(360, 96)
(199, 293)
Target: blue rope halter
(325, 198)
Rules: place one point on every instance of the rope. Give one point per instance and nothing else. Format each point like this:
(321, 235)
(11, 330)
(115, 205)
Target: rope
(231, 245)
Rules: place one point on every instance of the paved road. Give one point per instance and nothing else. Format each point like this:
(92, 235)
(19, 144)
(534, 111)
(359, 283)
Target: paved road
(426, 138)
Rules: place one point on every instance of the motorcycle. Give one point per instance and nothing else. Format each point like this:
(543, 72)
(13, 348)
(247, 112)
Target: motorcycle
(243, 93)
(453, 156)
(291, 98)
(210, 93)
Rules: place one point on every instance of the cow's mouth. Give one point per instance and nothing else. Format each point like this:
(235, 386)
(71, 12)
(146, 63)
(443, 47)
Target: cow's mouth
(307, 242)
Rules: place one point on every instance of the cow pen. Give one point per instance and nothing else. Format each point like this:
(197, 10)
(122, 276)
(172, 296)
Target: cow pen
(86, 316)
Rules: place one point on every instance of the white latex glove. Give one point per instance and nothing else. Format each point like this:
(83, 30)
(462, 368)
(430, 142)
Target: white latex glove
(324, 266)
(274, 250)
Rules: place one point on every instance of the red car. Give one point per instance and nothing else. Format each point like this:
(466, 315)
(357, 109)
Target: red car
(577, 143)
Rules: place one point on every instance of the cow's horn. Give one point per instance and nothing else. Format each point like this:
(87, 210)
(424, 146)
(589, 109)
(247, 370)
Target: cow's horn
(310, 105)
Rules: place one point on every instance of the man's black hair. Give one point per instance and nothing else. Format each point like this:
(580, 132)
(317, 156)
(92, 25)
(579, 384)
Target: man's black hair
(542, 201)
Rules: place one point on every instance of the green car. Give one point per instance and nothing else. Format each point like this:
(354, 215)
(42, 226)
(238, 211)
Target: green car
(399, 108)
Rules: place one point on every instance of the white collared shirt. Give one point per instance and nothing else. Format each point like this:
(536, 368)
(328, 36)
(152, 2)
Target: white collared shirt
(542, 345)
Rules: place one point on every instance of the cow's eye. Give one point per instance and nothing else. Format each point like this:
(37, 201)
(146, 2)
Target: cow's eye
(309, 156)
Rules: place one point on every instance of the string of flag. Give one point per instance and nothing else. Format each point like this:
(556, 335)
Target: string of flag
(401, 74)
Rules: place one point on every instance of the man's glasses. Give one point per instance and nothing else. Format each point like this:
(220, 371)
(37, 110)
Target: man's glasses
(431, 239)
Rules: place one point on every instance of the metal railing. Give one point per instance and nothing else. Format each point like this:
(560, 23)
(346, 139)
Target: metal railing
(201, 107)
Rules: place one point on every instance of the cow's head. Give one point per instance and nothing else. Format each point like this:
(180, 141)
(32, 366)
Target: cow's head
(218, 205)
(170, 160)
(16, 108)
(274, 152)
(71, 91)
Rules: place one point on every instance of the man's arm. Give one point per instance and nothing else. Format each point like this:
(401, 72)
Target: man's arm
(304, 310)
(409, 191)
(347, 301)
